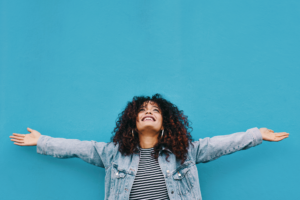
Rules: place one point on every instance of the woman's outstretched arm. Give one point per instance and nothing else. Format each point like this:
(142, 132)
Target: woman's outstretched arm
(208, 149)
(96, 153)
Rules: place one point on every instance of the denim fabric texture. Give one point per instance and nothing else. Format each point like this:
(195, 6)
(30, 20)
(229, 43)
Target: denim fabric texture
(181, 179)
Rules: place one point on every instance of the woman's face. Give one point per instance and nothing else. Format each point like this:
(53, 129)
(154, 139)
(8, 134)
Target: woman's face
(149, 118)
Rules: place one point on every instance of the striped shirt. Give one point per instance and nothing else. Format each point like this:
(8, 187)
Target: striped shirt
(149, 182)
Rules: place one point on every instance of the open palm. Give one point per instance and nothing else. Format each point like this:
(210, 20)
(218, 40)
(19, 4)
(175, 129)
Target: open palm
(26, 139)
(269, 135)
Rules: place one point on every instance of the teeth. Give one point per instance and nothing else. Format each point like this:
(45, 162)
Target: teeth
(148, 118)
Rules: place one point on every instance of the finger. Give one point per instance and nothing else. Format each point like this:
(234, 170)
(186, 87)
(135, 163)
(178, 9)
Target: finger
(20, 144)
(16, 137)
(17, 134)
(281, 138)
(29, 130)
(17, 140)
(282, 134)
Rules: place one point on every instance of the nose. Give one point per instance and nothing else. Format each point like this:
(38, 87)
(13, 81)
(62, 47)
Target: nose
(148, 112)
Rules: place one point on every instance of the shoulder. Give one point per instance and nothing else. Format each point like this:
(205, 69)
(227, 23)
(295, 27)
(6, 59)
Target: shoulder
(108, 147)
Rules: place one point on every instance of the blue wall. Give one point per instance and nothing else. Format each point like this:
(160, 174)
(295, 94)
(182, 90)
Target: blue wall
(67, 68)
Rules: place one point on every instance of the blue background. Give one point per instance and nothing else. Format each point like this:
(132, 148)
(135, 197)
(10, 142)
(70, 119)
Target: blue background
(69, 67)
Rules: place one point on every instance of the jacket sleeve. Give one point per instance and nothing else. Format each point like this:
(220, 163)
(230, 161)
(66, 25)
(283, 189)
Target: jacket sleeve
(96, 153)
(208, 149)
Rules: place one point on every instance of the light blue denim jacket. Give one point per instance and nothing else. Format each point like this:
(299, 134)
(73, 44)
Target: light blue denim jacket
(181, 179)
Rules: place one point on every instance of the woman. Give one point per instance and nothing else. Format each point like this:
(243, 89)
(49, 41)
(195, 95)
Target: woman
(151, 154)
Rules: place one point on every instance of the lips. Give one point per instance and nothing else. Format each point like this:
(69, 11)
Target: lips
(148, 118)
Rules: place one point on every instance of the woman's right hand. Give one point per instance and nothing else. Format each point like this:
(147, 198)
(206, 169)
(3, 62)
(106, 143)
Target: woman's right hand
(26, 139)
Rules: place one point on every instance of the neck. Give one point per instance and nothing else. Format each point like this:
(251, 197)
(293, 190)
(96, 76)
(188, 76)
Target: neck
(148, 139)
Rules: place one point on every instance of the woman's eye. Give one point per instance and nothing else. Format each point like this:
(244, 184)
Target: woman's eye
(156, 110)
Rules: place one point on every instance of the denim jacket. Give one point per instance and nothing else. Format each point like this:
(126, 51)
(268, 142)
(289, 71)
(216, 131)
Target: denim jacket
(181, 179)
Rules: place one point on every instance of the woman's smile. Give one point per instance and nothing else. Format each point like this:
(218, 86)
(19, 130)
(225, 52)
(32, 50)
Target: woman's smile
(148, 118)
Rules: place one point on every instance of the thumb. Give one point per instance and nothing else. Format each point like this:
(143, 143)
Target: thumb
(29, 129)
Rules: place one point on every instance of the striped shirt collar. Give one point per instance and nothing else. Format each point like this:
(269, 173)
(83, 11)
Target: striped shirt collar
(163, 149)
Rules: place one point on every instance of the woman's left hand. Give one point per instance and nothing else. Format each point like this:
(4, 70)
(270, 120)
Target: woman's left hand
(269, 135)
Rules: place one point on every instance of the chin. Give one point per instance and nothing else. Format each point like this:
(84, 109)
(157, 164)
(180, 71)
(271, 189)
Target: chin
(149, 128)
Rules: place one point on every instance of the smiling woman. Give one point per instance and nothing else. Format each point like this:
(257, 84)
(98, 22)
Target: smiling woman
(151, 154)
(144, 120)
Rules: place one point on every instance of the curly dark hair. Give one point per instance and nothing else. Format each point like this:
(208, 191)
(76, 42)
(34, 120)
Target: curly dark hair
(176, 138)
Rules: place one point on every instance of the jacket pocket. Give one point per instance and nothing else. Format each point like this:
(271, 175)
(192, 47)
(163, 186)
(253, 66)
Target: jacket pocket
(119, 178)
(183, 180)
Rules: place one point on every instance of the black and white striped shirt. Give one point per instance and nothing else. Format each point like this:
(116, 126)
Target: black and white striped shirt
(149, 182)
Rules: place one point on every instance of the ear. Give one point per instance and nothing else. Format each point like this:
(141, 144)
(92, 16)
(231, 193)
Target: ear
(162, 128)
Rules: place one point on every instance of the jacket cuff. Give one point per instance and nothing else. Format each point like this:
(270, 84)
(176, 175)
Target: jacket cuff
(41, 144)
(257, 136)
